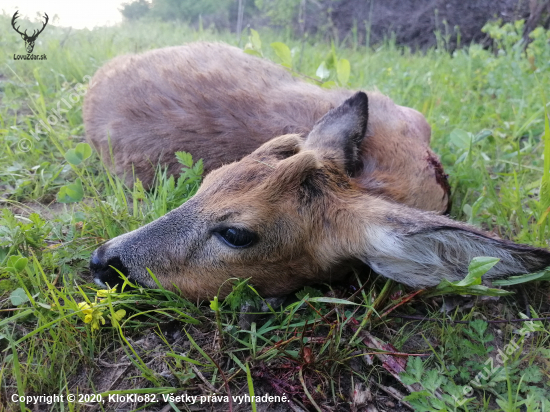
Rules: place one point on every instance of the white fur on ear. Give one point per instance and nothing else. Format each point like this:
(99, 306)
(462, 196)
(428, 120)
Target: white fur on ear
(424, 258)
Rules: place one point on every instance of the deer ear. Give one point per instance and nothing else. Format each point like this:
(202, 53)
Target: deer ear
(341, 131)
(280, 147)
(290, 174)
(420, 249)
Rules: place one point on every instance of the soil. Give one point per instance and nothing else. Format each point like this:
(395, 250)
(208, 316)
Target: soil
(414, 22)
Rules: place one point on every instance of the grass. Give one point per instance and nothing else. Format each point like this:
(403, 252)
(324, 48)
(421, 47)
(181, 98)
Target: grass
(58, 336)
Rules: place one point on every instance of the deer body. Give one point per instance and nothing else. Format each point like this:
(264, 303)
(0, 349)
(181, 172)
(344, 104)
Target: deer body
(297, 209)
(220, 104)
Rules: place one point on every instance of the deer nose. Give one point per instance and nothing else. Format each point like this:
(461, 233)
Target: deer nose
(106, 271)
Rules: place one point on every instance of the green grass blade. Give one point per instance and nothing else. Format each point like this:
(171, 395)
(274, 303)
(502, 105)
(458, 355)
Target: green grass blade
(17, 373)
(250, 388)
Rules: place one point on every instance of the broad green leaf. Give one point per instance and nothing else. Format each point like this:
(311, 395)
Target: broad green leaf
(471, 284)
(461, 139)
(18, 297)
(255, 40)
(322, 71)
(71, 193)
(83, 150)
(283, 53)
(72, 157)
(254, 45)
(343, 71)
(477, 268)
(80, 153)
(17, 263)
(20, 264)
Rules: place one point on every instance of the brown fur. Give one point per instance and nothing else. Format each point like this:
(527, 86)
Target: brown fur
(303, 220)
(220, 104)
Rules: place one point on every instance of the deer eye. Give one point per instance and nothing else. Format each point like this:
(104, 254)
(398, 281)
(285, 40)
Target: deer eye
(237, 238)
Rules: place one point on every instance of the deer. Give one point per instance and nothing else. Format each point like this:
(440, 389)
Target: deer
(29, 40)
(332, 194)
(220, 104)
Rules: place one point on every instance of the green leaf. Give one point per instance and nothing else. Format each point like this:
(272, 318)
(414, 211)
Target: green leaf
(17, 263)
(516, 280)
(18, 297)
(415, 367)
(255, 40)
(343, 71)
(482, 135)
(185, 158)
(283, 53)
(477, 268)
(72, 157)
(478, 326)
(185, 358)
(532, 374)
(83, 150)
(198, 168)
(250, 386)
(79, 154)
(449, 288)
(71, 193)
(20, 264)
(407, 378)
(420, 401)
(432, 380)
(461, 139)
(471, 284)
(335, 301)
(328, 85)
(253, 52)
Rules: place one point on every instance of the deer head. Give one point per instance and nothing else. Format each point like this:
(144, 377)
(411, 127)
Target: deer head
(29, 40)
(290, 214)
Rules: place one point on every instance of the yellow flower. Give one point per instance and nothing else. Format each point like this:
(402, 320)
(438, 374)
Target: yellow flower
(94, 314)
(85, 308)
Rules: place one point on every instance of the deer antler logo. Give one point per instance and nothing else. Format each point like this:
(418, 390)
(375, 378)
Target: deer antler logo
(29, 40)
